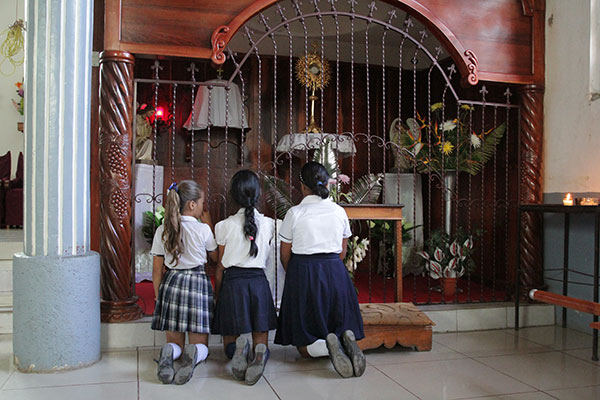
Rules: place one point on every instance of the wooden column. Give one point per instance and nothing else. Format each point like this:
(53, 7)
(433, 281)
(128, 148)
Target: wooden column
(119, 303)
(531, 191)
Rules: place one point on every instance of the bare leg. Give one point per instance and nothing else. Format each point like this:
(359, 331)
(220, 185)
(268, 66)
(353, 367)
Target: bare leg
(176, 337)
(260, 337)
(198, 338)
(303, 352)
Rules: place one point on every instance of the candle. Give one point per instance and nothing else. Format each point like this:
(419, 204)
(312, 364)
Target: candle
(568, 200)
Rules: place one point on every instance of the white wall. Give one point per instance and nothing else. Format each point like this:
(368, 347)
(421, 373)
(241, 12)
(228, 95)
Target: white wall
(571, 121)
(10, 138)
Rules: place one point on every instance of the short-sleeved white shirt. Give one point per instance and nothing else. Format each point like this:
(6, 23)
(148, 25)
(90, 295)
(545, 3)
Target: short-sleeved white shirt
(315, 226)
(197, 239)
(230, 233)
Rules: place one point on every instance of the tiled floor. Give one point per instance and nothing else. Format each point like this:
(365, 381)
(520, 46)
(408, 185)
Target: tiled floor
(531, 364)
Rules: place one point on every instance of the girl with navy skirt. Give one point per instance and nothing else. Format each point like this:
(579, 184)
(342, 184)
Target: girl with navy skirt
(184, 295)
(319, 309)
(244, 299)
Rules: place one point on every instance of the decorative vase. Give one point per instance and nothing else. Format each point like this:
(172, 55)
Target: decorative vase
(449, 286)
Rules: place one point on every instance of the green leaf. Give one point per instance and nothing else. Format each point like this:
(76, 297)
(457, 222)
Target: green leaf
(367, 189)
(278, 196)
(488, 147)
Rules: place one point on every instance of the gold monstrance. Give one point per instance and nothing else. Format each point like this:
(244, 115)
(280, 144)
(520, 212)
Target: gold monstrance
(313, 72)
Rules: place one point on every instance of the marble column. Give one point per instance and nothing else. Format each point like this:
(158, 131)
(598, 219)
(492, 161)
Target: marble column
(56, 280)
(119, 302)
(531, 190)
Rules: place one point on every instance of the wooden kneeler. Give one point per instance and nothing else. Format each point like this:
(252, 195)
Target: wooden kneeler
(389, 324)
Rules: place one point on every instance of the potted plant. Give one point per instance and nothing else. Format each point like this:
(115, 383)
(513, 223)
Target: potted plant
(448, 257)
(383, 233)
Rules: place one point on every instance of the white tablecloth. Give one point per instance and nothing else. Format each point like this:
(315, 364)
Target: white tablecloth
(302, 141)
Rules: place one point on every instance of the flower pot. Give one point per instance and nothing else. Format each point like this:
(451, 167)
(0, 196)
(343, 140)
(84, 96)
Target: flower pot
(449, 286)
(20, 126)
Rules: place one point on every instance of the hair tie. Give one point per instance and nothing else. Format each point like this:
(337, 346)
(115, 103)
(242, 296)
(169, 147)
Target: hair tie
(174, 186)
(251, 238)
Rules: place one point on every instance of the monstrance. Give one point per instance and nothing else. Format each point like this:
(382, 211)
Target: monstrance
(312, 71)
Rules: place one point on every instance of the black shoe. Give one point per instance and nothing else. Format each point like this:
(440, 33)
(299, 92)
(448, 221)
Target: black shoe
(186, 371)
(257, 366)
(166, 372)
(239, 362)
(339, 359)
(359, 362)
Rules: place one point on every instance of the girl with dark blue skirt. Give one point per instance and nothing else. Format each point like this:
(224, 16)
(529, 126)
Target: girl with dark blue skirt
(244, 299)
(319, 308)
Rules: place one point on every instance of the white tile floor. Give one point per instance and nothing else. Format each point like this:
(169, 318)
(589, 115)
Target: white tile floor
(532, 364)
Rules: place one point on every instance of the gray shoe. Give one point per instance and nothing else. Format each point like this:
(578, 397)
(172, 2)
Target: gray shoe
(186, 371)
(339, 359)
(166, 372)
(257, 366)
(359, 362)
(239, 362)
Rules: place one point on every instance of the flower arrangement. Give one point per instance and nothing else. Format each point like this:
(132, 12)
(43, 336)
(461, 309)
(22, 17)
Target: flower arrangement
(152, 220)
(437, 145)
(20, 105)
(448, 257)
(356, 252)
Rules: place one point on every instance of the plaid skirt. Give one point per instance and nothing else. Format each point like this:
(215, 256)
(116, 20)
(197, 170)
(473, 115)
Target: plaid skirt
(184, 302)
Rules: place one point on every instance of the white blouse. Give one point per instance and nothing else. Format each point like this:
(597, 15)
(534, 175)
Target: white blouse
(230, 233)
(197, 239)
(314, 226)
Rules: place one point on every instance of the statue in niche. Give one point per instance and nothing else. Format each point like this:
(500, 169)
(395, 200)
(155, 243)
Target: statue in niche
(403, 155)
(143, 133)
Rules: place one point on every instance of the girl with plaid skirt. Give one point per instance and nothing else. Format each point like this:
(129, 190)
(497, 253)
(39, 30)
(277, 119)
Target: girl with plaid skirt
(184, 295)
(319, 309)
(244, 299)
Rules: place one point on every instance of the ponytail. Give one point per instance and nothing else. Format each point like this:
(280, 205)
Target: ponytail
(250, 230)
(177, 197)
(245, 190)
(316, 178)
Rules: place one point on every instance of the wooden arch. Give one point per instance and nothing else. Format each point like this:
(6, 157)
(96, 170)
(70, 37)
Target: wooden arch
(465, 59)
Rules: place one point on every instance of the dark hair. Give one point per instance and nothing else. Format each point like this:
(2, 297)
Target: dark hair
(245, 190)
(316, 178)
(177, 197)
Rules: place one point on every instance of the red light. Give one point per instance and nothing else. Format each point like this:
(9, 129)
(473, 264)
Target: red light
(160, 112)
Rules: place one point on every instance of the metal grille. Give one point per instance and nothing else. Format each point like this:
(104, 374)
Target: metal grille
(385, 68)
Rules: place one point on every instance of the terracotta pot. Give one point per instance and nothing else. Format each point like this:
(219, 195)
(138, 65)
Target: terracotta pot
(449, 287)
(20, 126)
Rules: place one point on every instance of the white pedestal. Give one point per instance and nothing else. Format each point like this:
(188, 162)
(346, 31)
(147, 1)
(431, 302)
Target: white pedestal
(411, 196)
(142, 185)
(413, 205)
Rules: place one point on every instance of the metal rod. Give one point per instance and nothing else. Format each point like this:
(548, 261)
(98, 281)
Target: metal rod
(565, 286)
(518, 271)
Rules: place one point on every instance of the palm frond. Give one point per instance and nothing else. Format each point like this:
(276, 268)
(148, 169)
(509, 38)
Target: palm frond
(325, 155)
(278, 196)
(367, 189)
(483, 154)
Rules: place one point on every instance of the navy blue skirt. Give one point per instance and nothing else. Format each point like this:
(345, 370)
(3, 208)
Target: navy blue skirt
(318, 298)
(245, 303)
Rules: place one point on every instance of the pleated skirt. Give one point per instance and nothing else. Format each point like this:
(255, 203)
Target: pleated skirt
(184, 302)
(245, 303)
(318, 298)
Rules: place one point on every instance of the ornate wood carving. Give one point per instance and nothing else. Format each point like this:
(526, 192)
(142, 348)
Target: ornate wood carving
(472, 67)
(218, 44)
(115, 139)
(532, 117)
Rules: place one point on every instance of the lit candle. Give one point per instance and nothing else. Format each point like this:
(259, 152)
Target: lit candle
(568, 200)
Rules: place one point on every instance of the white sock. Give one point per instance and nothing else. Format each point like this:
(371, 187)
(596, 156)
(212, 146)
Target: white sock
(202, 352)
(317, 349)
(176, 351)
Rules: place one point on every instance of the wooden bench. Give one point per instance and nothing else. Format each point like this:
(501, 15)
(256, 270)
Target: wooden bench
(389, 324)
